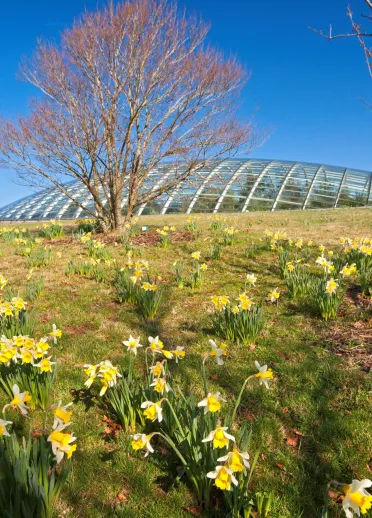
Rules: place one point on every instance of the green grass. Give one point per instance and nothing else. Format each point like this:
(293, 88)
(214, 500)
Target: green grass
(311, 427)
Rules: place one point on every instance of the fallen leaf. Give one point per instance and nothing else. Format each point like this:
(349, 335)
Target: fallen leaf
(252, 347)
(292, 441)
(196, 511)
(297, 432)
(214, 377)
(123, 495)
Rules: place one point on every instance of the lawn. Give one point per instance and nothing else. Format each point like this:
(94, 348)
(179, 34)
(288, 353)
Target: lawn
(312, 426)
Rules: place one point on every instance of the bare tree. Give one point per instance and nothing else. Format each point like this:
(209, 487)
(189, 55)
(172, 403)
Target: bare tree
(359, 32)
(127, 88)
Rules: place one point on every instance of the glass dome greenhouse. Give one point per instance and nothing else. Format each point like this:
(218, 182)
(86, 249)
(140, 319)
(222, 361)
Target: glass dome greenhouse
(231, 185)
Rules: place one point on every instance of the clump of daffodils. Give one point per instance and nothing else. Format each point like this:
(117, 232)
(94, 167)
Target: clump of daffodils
(104, 372)
(165, 238)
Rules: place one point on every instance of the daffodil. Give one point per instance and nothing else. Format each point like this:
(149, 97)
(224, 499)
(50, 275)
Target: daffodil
(236, 460)
(3, 282)
(357, 500)
(153, 411)
(3, 425)
(178, 353)
(91, 372)
(45, 365)
(167, 354)
(133, 344)
(62, 416)
(108, 375)
(160, 384)
(55, 333)
(216, 352)
(141, 441)
(273, 295)
(61, 442)
(211, 402)
(264, 374)
(155, 343)
(196, 255)
(20, 399)
(331, 286)
(223, 477)
(220, 437)
(251, 279)
(18, 303)
(235, 309)
(158, 369)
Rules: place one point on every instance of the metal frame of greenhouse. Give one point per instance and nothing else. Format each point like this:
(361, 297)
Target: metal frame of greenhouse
(231, 185)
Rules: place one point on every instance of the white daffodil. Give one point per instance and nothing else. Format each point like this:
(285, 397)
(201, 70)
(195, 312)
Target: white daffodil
(61, 415)
(223, 477)
(61, 442)
(160, 384)
(211, 403)
(264, 374)
(357, 500)
(153, 411)
(220, 437)
(133, 344)
(216, 352)
(236, 460)
(3, 425)
(20, 399)
(251, 279)
(178, 353)
(55, 333)
(140, 441)
(155, 343)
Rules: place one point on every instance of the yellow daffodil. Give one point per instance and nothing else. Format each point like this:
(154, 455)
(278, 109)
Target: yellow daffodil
(61, 443)
(236, 460)
(158, 369)
(62, 416)
(251, 279)
(3, 425)
(178, 353)
(211, 402)
(223, 477)
(153, 411)
(141, 441)
(220, 437)
(55, 333)
(273, 295)
(264, 374)
(155, 344)
(216, 352)
(357, 500)
(45, 365)
(160, 385)
(20, 399)
(331, 286)
(196, 255)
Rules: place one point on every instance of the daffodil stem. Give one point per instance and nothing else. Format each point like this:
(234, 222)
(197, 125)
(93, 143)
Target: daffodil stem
(239, 399)
(204, 377)
(175, 416)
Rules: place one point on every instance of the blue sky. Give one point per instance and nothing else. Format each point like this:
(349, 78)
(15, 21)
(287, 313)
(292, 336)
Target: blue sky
(305, 89)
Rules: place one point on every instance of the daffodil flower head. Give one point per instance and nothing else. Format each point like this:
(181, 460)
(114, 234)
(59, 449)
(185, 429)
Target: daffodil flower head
(61, 442)
(273, 295)
(211, 402)
(216, 352)
(55, 333)
(155, 344)
(331, 287)
(236, 460)
(133, 344)
(141, 441)
(264, 374)
(160, 385)
(45, 365)
(3, 425)
(158, 369)
(62, 416)
(20, 399)
(153, 411)
(223, 477)
(220, 437)
(357, 500)
(178, 353)
(251, 279)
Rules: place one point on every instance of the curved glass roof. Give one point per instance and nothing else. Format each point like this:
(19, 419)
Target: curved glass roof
(231, 185)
